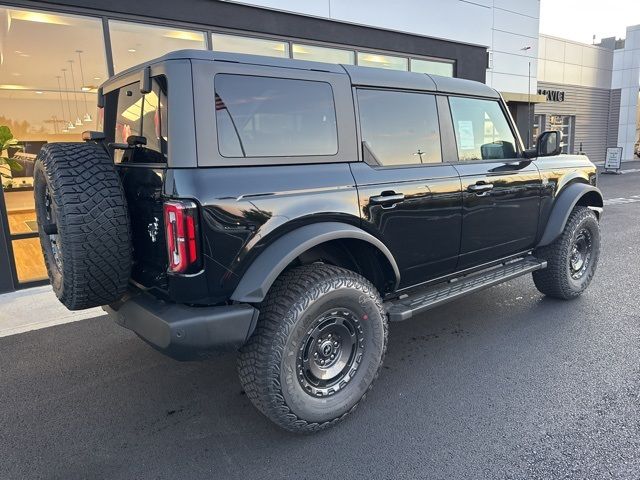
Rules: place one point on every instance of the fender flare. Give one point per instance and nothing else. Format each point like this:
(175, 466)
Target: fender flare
(264, 270)
(562, 208)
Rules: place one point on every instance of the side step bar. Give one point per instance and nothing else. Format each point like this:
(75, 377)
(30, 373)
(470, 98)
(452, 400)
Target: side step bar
(406, 307)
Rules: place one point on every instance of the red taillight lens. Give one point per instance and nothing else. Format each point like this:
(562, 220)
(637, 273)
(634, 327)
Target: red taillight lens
(182, 244)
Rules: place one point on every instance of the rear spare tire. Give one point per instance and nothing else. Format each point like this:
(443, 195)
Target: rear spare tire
(83, 224)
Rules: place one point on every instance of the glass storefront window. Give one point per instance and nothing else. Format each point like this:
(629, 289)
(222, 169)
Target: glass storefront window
(253, 46)
(134, 43)
(432, 67)
(48, 94)
(382, 61)
(50, 67)
(323, 54)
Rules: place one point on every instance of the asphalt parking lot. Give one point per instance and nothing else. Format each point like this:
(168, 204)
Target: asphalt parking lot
(502, 384)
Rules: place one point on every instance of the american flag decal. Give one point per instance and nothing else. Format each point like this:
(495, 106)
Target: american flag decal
(219, 103)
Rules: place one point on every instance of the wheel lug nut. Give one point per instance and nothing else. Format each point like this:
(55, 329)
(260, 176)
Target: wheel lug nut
(321, 362)
(335, 344)
(315, 354)
(332, 357)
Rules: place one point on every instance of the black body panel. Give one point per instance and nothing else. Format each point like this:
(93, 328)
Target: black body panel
(423, 229)
(243, 213)
(502, 220)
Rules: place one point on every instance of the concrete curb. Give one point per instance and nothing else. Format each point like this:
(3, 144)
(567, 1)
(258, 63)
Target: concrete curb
(36, 308)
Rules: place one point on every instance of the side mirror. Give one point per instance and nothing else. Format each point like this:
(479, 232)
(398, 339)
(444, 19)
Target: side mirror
(547, 145)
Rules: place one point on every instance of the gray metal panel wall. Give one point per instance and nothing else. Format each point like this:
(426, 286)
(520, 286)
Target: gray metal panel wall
(595, 122)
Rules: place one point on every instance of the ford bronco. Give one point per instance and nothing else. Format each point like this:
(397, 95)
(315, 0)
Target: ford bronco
(289, 209)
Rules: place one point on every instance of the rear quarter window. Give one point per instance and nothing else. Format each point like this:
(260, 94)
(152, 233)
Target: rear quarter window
(274, 117)
(146, 116)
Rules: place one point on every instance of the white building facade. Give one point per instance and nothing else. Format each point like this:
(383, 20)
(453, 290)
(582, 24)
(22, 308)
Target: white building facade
(591, 93)
(626, 77)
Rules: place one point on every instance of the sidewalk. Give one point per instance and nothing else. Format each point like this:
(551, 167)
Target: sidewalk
(632, 166)
(36, 308)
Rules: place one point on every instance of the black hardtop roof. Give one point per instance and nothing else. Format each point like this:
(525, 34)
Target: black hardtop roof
(360, 76)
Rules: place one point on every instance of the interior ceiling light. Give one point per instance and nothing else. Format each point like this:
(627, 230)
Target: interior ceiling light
(182, 35)
(299, 49)
(39, 92)
(12, 87)
(374, 58)
(38, 17)
(131, 50)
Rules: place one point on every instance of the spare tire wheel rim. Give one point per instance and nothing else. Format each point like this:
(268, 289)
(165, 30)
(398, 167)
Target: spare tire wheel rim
(51, 228)
(580, 254)
(330, 352)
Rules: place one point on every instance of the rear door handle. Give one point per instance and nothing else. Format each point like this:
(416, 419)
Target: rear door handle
(387, 199)
(480, 187)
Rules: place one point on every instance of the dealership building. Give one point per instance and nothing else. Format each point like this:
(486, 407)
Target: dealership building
(592, 93)
(54, 55)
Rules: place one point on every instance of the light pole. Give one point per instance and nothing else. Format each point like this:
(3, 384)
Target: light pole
(525, 49)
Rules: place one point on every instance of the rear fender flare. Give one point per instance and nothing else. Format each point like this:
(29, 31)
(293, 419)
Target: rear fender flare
(264, 270)
(564, 204)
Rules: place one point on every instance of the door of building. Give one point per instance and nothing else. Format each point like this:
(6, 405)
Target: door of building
(566, 125)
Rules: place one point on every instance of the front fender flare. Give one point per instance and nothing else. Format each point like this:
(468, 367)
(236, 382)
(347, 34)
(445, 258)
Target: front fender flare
(562, 208)
(264, 270)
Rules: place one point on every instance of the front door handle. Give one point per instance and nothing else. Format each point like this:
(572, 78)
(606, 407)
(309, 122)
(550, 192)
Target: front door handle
(387, 199)
(480, 188)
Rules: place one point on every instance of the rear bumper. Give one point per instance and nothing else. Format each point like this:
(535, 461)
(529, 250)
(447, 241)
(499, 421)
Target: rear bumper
(184, 332)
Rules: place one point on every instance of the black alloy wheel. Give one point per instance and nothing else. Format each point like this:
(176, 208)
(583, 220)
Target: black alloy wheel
(317, 348)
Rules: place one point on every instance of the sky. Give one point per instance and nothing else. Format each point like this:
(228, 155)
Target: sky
(579, 20)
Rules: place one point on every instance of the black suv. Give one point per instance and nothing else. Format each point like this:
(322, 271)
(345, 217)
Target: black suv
(289, 209)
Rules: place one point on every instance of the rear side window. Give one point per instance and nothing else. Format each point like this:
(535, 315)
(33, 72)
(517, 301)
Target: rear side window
(274, 117)
(399, 128)
(482, 130)
(146, 116)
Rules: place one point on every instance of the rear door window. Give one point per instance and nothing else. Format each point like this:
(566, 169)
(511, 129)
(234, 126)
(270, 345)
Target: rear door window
(274, 117)
(146, 116)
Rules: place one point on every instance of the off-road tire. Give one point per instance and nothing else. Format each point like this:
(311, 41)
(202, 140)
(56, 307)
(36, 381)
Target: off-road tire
(556, 281)
(77, 188)
(267, 363)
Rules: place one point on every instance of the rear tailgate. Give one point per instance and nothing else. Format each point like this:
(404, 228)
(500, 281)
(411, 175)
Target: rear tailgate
(143, 189)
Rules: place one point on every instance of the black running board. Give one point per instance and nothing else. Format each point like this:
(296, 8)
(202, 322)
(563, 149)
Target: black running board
(406, 307)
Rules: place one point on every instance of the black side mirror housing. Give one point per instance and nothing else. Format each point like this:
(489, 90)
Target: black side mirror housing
(547, 145)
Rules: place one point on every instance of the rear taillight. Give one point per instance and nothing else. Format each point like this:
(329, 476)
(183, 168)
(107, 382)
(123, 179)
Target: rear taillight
(182, 243)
